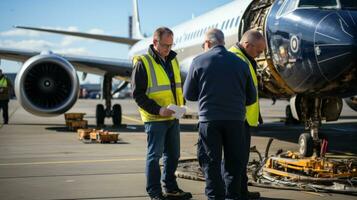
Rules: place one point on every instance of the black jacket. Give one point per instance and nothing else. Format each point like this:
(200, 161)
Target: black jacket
(139, 81)
(222, 85)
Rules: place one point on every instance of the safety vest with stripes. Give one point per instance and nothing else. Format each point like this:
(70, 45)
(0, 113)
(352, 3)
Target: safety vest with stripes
(159, 86)
(3, 82)
(252, 111)
(4, 90)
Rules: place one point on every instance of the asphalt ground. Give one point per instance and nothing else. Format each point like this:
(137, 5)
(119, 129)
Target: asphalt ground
(41, 159)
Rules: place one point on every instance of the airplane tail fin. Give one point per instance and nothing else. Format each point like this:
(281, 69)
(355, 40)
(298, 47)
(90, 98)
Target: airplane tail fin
(136, 32)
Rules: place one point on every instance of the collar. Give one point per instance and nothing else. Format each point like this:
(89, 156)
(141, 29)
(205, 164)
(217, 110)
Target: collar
(251, 59)
(152, 52)
(244, 52)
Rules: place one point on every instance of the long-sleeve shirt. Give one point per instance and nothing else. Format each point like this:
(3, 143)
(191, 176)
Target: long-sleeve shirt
(140, 81)
(222, 85)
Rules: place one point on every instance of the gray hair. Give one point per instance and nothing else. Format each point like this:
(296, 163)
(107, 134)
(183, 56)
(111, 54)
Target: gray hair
(251, 36)
(215, 36)
(159, 32)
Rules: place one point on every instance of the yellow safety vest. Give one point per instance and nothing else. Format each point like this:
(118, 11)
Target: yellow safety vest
(159, 86)
(3, 82)
(252, 111)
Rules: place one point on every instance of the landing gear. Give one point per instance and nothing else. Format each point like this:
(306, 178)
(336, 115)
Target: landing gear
(306, 145)
(310, 142)
(116, 115)
(311, 111)
(101, 113)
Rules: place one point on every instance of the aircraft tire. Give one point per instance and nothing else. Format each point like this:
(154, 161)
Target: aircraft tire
(100, 115)
(306, 145)
(117, 118)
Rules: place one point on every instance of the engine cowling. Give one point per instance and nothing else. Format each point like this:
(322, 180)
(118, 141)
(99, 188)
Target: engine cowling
(47, 85)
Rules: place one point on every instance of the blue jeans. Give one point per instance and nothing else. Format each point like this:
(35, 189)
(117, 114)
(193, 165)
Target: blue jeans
(163, 140)
(213, 137)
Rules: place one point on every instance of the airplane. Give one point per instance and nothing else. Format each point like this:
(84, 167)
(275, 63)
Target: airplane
(310, 60)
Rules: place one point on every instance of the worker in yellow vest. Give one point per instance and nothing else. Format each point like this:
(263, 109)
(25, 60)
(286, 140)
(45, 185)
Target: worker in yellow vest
(251, 45)
(5, 90)
(156, 84)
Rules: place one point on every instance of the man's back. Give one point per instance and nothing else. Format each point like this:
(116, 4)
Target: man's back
(224, 86)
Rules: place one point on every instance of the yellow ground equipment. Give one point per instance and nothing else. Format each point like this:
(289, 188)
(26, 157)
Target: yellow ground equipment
(290, 171)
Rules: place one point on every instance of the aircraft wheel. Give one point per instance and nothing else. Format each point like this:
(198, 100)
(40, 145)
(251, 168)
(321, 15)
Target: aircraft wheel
(117, 115)
(306, 145)
(100, 115)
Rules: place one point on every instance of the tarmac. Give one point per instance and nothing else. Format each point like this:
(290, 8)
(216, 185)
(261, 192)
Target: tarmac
(41, 159)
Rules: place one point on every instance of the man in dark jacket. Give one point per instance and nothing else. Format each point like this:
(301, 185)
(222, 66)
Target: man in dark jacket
(5, 89)
(222, 85)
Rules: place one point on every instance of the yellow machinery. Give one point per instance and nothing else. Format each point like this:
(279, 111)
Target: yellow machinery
(290, 171)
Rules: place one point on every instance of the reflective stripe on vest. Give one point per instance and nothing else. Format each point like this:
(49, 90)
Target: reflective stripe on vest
(252, 111)
(3, 82)
(159, 86)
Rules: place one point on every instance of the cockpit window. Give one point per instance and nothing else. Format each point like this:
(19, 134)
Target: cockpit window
(348, 4)
(287, 7)
(318, 3)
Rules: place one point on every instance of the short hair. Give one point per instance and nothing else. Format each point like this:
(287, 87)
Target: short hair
(215, 36)
(159, 32)
(251, 36)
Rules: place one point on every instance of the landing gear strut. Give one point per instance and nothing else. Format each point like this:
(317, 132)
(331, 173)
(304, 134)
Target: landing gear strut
(101, 113)
(313, 110)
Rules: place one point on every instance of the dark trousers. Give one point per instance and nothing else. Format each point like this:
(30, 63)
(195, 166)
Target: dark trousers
(4, 106)
(247, 139)
(213, 137)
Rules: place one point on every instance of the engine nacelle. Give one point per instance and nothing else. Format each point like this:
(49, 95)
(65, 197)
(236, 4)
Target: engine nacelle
(47, 85)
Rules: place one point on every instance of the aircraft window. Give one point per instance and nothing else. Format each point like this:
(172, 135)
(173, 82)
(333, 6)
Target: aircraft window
(348, 4)
(287, 7)
(230, 26)
(318, 3)
(223, 25)
(237, 21)
(227, 24)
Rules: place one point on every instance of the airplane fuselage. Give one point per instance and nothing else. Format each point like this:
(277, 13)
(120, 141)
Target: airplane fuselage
(313, 50)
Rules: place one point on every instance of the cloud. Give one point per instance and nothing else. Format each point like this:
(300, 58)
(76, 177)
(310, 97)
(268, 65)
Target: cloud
(96, 31)
(73, 51)
(64, 46)
(20, 32)
(28, 44)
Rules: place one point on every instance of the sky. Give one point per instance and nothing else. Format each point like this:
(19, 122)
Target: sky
(109, 17)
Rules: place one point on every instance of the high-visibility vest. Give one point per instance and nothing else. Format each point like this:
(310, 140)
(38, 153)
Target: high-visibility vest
(4, 90)
(252, 111)
(159, 86)
(3, 82)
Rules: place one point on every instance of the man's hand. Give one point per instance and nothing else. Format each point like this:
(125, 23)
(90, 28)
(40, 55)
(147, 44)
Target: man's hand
(166, 112)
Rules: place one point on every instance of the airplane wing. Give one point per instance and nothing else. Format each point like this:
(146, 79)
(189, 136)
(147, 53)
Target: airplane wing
(121, 40)
(94, 65)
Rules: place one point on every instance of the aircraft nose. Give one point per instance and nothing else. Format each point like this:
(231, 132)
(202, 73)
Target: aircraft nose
(335, 43)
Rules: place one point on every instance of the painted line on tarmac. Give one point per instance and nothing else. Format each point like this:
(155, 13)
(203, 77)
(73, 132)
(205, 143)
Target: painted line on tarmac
(132, 119)
(78, 161)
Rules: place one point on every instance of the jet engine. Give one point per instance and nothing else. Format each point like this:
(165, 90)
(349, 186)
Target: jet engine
(47, 85)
